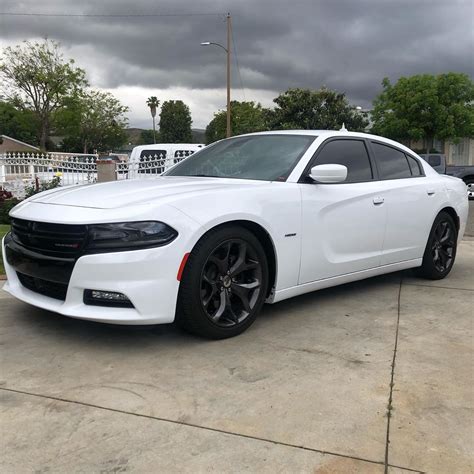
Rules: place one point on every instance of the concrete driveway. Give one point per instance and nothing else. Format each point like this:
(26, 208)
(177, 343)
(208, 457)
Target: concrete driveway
(307, 389)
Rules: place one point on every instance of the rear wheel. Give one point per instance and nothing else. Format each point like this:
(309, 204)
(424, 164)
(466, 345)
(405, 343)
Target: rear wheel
(440, 251)
(224, 284)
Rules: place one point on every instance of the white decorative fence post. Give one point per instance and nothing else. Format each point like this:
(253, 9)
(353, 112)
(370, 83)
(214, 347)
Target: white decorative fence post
(3, 169)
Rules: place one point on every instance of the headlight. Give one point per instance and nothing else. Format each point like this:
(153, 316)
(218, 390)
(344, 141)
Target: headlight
(128, 236)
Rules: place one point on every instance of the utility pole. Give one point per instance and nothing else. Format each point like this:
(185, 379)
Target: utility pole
(229, 37)
(227, 50)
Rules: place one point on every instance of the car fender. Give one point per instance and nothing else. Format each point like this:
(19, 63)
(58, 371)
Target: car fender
(279, 216)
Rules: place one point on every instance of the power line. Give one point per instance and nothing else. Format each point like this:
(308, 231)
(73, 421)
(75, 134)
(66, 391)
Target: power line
(109, 15)
(237, 63)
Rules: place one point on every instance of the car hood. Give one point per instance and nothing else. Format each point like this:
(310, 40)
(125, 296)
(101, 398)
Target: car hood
(132, 192)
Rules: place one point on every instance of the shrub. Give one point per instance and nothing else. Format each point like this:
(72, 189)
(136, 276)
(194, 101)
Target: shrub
(42, 186)
(8, 202)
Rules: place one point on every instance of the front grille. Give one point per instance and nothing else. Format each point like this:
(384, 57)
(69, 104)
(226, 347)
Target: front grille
(57, 240)
(44, 287)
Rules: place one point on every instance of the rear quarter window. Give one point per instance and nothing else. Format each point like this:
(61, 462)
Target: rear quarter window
(415, 166)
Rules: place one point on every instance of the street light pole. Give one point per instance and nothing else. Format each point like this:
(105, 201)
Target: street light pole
(227, 50)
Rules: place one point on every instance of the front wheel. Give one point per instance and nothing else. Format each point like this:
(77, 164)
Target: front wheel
(224, 284)
(440, 251)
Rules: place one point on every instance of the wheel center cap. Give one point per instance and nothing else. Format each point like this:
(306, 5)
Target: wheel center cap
(227, 281)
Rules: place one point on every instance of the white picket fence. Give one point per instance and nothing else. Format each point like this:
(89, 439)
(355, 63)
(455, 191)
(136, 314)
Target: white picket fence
(19, 170)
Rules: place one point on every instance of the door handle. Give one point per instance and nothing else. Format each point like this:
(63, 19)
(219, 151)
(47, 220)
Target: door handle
(378, 200)
(430, 192)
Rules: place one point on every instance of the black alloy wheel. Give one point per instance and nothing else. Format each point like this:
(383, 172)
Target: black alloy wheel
(224, 283)
(440, 251)
(443, 245)
(231, 282)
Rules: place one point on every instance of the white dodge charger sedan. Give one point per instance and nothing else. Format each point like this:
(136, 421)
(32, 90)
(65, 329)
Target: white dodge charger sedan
(251, 219)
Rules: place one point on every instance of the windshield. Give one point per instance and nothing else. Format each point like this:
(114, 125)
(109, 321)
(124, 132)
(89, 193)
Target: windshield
(261, 157)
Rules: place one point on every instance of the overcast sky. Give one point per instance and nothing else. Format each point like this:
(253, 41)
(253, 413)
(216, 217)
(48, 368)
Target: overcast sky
(348, 45)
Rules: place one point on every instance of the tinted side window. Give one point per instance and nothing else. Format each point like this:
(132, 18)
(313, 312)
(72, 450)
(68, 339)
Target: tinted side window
(392, 163)
(414, 166)
(350, 153)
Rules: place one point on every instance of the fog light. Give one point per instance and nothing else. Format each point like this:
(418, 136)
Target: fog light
(106, 298)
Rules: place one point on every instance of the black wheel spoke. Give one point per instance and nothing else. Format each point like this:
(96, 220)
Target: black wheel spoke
(221, 309)
(440, 230)
(443, 254)
(239, 264)
(229, 310)
(207, 299)
(446, 236)
(208, 280)
(221, 264)
(243, 292)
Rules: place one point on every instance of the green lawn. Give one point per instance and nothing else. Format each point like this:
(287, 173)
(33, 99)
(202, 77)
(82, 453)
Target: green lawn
(3, 230)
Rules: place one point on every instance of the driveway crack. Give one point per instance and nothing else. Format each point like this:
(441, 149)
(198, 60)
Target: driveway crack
(392, 377)
(206, 428)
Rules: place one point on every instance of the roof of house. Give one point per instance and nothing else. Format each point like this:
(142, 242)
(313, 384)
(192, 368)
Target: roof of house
(19, 141)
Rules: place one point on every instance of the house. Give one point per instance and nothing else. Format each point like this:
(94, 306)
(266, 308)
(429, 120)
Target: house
(9, 144)
(458, 152)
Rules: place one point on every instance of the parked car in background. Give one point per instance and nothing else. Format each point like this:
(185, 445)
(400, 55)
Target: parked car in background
(439, 163)
(156, 158)
(251, 219)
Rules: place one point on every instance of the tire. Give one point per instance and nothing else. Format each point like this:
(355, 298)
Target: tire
(440, 251)
(470, 188)
(224, 284)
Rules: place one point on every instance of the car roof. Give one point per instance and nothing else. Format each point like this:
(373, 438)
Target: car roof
(335, 133)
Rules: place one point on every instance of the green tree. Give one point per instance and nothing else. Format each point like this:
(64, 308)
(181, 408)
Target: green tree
(148, 137)
(425, 107)
(38, 78)
(246, 117)
(175, 122)
(17, 123)
(153, 103)
(308, 109)
(92, 120)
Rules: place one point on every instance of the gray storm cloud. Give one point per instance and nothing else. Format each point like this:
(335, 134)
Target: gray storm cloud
(349, 45)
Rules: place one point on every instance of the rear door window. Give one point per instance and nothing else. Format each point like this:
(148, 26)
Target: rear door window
(392, 163)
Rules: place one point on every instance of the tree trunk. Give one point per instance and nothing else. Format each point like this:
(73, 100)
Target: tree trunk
(44, 132)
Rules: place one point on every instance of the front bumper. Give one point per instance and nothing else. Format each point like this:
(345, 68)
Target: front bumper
(147, 277)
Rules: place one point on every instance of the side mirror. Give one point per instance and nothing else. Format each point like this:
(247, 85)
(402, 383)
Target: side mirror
(328, 173)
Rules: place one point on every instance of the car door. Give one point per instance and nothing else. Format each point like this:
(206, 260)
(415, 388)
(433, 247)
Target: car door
(343, 224)
(410, 200)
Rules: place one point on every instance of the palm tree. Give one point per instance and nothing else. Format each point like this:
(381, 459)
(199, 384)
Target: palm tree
(153, 103)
